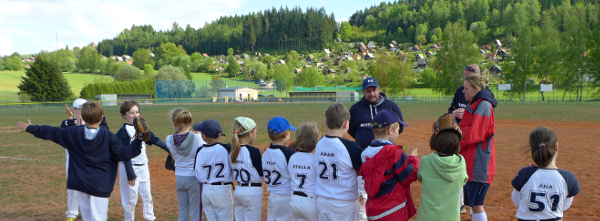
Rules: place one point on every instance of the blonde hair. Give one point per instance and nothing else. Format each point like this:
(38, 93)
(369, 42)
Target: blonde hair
(235, 139)
(380, 133)
(181, 117)
(476, 81)
(307, 136)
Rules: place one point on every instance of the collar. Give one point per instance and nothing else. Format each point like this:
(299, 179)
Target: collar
(211, 144)
(303, 151)
(275, 146)
(381, 143)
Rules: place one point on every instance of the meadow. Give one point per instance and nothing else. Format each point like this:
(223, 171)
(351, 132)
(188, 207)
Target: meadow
(32, 177)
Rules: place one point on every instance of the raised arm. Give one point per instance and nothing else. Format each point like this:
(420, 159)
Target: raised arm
(154, 140)
(121, 153)
(55, 134)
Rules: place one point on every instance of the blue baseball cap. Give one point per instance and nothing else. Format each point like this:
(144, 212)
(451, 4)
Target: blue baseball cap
(386, 118)
(369, 82)
(211, 128)
(279, 125)
(197, 126)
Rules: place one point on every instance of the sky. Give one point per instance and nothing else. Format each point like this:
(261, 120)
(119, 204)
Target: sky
(30, 26)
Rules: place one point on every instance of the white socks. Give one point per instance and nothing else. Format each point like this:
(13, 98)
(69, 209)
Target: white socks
(479, 216)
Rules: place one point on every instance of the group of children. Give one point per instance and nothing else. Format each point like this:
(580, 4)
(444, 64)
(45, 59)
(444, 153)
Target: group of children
(315, 178)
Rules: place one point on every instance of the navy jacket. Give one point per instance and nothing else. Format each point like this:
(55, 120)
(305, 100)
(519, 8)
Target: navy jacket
(93, 164)
(459, 100)
(361, 116)
(126, 139)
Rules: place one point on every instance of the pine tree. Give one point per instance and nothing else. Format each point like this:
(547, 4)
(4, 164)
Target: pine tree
(44, 82)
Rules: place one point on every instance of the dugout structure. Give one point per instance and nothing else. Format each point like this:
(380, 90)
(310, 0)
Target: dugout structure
(323, 96)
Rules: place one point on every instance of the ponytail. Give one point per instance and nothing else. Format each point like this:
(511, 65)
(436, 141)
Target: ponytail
(239, 131)
(542, 142)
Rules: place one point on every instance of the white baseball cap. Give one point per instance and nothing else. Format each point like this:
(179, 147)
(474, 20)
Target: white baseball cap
(78, 102)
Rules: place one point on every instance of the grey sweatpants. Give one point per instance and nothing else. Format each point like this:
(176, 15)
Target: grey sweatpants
(188, 198)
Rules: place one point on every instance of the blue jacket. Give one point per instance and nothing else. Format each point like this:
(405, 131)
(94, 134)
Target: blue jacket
(361, 116)
(93, 164)
(125, 140)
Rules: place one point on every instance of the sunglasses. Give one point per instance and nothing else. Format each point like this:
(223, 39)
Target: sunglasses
(469, 68)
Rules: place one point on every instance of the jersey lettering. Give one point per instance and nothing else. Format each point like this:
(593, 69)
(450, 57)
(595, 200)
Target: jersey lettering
(545, 186)
(270, 163)
(301, 167)
(327, 154)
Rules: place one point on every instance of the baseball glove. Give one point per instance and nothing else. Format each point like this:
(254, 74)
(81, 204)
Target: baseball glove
(170, 163)
(446, 122)
(142, 130)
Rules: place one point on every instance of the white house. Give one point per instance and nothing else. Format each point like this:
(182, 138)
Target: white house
(239, 93)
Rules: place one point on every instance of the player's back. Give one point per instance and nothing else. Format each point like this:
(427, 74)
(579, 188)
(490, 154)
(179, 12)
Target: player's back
(337, 160)
(275, 169)
(543, 192)
(303, 173)
(184, 163)
(212, 163)
(248, 166)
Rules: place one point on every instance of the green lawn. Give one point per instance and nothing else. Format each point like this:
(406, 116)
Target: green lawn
(10, 80)
(205, 79)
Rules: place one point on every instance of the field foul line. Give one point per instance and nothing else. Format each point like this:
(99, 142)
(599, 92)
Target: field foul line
(16, 158)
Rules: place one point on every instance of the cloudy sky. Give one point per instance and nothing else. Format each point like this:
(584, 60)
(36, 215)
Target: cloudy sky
(28, 26)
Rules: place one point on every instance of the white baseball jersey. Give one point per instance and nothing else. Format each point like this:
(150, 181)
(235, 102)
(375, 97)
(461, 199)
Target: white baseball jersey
(275, 169)
(337, 160)
(248, 166)
(184, 164)
(213, 164)
(143, 157)
(543, 193)
(303, 172)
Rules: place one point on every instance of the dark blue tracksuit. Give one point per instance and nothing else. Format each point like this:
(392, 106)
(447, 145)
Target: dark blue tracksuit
(361, 116)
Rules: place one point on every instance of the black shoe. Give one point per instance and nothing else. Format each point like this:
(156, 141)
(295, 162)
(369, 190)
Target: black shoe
(463, 209)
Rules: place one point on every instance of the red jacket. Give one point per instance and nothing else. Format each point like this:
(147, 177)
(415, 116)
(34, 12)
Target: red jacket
(388, 176)
(477, 145)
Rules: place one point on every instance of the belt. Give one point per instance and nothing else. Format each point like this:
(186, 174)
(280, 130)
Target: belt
(299, 193)
(553, 219)
(251, 184)
(137, 165)
(219, 183)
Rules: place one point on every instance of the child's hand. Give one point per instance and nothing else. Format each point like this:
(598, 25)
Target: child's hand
(69, 112)
(131, 182)
(23, 126)
(413, 152)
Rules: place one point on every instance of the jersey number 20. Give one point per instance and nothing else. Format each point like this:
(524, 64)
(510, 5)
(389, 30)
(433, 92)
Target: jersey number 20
(541, 205)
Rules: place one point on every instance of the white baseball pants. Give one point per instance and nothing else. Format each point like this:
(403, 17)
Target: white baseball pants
(92, 208)
(248, 203)
(362, 200)
(279, 207)
(129, 194)
(72, 202)
(217, 202)
(304, 208)
(337, 210)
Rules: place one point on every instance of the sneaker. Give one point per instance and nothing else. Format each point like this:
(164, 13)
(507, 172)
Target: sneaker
(70, 219)
(463, 209)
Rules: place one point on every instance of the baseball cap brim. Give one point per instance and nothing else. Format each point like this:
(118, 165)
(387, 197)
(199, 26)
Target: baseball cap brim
(292, 128)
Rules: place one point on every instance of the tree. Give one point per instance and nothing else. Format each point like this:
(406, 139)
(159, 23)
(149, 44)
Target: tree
(169, 72)
(457, 52)
(230, 52)
(14, 62)
(65, 59)
(90, 60)
(291, 60)
(167, 51)
(575, 37)
(234, 68)
(309, 77)
(346, 31)
(44, 82)
(593, 57)
(148, 70)
(129, 73)
(521, 67)
(216, 84)
(141, 57)
(548, 55)
(393, 75)
(282, 76)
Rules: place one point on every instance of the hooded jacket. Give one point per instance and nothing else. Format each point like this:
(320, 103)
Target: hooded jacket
(477, 146)
(362, 114)
(442, 178)
(93, 161)
(459, 100)
(388, 175)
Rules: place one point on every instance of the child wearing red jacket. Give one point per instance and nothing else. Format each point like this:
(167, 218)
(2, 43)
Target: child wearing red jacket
(388, 171)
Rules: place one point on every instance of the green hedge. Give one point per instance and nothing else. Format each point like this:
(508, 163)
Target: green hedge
(135, 87)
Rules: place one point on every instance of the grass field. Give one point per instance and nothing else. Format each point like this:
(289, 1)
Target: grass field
(32, 176)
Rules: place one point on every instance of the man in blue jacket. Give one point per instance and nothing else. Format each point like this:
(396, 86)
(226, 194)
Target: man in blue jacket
(459, 102)
(361, 116)
(362, 113)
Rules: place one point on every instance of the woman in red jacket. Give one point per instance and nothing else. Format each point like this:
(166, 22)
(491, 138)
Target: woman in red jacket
(477, 145)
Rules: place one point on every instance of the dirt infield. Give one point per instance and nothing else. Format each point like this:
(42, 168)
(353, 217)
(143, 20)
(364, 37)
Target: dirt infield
(577, 153)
